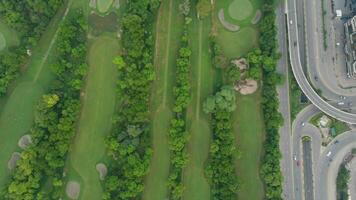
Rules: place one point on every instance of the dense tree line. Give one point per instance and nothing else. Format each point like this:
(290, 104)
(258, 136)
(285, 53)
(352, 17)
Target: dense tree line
(178, 134)
(129, 142)
(270, 171)
(29, 18)
(38, 174)
(221, 167)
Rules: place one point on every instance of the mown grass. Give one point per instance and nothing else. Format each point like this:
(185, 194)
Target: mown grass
(249, 129)
(10, 36)
(99, 97)
(17, 108)
(169, 26)
(248, 121)
(197, 186)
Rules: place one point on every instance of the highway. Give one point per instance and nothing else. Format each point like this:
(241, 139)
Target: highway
(308, 170)
(298, 72)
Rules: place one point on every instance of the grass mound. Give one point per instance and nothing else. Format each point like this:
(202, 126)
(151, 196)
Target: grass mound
(240, 9)
(104, 5)
(2, 42)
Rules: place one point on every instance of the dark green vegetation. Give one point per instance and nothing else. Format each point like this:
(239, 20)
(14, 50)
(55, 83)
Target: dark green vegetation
(29, 19)
(342, 179)
(270, 171)
(221, 169)
(336, 127)
(129, 144)
(38, 175)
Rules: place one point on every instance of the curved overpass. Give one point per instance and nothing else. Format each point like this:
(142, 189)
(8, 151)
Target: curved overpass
(299, 73)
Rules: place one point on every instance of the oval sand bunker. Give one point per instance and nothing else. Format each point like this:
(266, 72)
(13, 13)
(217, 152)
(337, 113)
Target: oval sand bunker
(73, 189)
(102, 170)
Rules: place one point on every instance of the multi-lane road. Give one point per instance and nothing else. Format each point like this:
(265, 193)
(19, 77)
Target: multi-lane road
(297, 68)
(309, 169)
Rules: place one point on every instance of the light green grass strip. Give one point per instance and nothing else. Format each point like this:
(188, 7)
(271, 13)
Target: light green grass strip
(240, 9)
(195, 182)
(249, 132)
(104, 5)
(169, 27)
(96, 118)
(8, 37)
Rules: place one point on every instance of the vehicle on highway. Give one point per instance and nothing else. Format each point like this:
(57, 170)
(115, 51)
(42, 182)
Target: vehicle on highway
(340, 103)
(303, 124)
(328, 154)
(295, 157)
(291, 22)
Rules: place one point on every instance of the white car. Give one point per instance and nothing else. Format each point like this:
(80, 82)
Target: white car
(295, 157)
(291, 22)
(328, 154)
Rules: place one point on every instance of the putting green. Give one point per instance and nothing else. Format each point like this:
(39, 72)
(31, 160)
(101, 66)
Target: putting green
(240, 9)
(104, 5)
(2, 42)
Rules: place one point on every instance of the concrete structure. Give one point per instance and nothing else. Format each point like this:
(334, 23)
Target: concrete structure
(350, 47)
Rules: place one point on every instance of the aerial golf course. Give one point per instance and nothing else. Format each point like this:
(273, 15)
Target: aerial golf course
(90, 167)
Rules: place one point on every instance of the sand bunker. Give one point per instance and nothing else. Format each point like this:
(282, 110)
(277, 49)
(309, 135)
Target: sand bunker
(25, 141)
(102, 170)
(92, 3)
(257, 17)
(240, 63)
(13, 160)
(227, 25)
(73, 189)
(247, 86)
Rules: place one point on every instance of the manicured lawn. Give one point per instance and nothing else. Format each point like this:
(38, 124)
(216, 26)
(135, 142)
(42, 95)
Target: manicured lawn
(104, 5)
(197, 186)
(236, 44)
(240, 9)
(95, 122)
(168, 32)
(247, 119)
(17, 108)
(8, 37)
(249, 129)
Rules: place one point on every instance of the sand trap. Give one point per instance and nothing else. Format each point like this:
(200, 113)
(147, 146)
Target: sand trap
(227, 25)
(25, 141)
(13, 160)
(73, 189)
(240, 63)
(102, 169)
(247, 86)
(2, 41)
(257, 17)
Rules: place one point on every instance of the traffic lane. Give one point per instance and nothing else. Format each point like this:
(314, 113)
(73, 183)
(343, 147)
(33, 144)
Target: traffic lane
(329, 164)
(301, 128)
(352, 182)
(284, 108)
(308, 171)
(300, 76)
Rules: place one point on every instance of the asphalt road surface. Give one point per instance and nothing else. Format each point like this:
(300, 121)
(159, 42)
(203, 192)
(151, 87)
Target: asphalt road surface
(308, 171)
(299, 74)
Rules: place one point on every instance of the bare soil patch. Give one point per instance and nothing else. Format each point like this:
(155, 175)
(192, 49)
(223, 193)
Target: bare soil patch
(25, 141)
(73, 189)
(247, 86)
(257, 17)
(102, 170)
(13, 160)
(226, 24)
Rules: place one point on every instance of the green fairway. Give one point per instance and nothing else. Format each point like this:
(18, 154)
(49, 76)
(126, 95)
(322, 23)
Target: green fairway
(88, 147)
(249, 131)
(104, 5)
(168, 31)
(240, 9)
(16, 109)
(197, 186)
(8, 37)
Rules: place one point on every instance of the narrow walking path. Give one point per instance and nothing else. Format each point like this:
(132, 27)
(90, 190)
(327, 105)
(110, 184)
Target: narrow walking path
(17, 109)
(169, 27)
(196, 184)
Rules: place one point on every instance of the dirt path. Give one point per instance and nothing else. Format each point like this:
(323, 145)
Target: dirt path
(51, 44)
